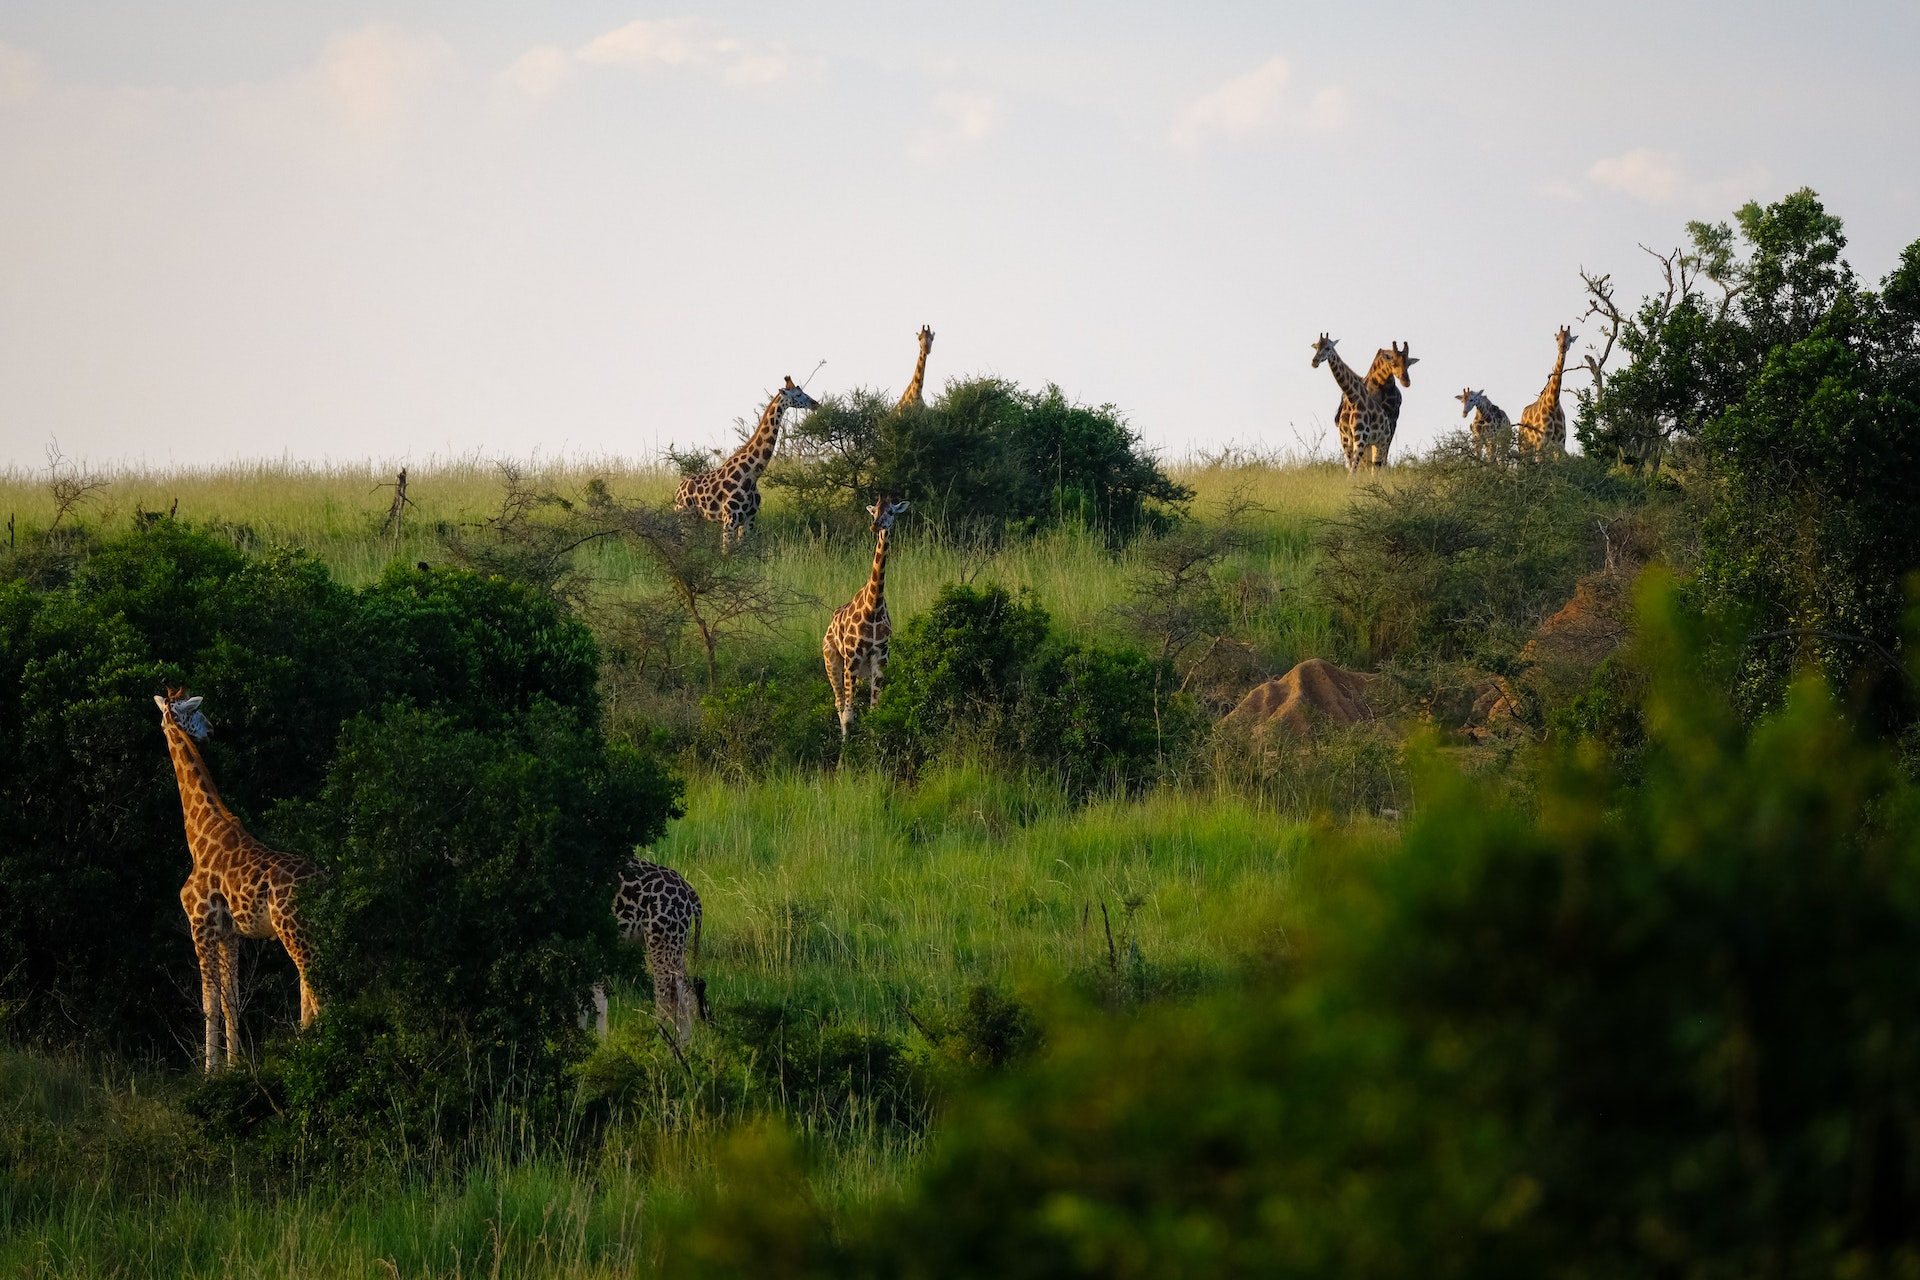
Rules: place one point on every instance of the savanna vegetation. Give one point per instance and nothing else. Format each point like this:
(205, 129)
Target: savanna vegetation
(1588, 954)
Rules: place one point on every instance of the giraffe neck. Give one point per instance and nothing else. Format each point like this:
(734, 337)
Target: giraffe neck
(1380, 372)
(914, 388)
(200, 802)
(1350, 382)
(877, 580)
(752, 457)
(1552, 393)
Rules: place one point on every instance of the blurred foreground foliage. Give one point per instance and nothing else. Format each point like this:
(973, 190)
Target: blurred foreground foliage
(1665, 1029)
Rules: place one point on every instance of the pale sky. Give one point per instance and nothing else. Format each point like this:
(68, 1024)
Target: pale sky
(416, 228)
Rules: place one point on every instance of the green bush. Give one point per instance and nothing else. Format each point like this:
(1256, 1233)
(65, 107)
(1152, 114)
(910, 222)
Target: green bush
(467, 889)
(980, 671)
(1462, 558)
(984, 456)
(1658, 1030)
(93, 947)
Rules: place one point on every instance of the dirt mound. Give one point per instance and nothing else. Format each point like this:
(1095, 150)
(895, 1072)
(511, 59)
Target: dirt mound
(1316, 690)
(1587, 628)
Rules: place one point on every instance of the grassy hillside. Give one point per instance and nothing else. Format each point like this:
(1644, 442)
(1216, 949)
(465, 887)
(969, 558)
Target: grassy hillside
(851, 899)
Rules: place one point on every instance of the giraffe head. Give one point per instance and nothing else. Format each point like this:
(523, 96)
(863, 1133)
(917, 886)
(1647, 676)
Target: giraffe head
(1323, 349)
(883, 511)
(1565, 338)
(1469, 400)
(177, 709)
(1399, 359)
(926, 339)
(792, 397)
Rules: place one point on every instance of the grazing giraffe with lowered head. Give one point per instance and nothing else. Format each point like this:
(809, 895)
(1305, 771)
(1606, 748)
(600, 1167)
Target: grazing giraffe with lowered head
(911, 397)
(1491, 428)
(238, 889)
(856, 641)
(729, 494)
(656, 906)
(1369, 408)
(1543, 424)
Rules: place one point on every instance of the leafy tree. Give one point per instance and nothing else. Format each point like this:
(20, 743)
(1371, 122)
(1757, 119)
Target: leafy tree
(1797, 396)
(92, 941)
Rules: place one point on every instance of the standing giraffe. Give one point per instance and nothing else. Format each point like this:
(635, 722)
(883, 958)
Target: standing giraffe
(856, 641)
(1543, 424)
(911, 397)
(730, 493)
(1491, 427)
(239, 888)
(1369, 407)
(657, 906)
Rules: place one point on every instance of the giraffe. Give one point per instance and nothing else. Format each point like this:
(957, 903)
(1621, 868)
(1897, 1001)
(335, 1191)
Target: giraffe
(239, 888)
(1491, 427)
(730, 493)
(911, 398)
(1543, 424)
(1369, 407)
(655, 905)
(856, 641)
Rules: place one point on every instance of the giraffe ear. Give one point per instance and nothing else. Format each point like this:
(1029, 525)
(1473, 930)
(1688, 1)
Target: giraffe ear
(160, 702)
(188, 707)
(1413, 359)
(898, 507)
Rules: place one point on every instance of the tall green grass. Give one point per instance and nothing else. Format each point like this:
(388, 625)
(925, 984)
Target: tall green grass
(848, 895)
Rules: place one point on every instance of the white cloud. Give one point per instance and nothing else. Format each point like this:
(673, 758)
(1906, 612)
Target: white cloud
(19, 74)
(1259, 102)
(686, 42)
(539, 71)
(966, 120)
(668, 41)
(1643, 173)
(377, 72)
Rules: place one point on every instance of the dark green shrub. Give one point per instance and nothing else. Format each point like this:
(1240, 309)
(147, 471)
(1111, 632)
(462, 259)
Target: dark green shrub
(979, 672)
(766, 723)
(92, 851)
(469, 876)
(984, 456)
(1661, 1030)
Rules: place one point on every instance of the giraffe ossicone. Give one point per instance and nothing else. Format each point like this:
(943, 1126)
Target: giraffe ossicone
(729, 494)
(855, 645)
(238, 888)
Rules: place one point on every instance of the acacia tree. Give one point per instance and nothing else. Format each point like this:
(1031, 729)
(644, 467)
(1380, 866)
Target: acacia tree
(1794, 394)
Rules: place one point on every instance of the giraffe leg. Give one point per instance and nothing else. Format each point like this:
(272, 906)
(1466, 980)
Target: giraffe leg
(844, 676)
(831, 655)
(206, 949)
(876, 672)
(294, 939)
(230, 993)
(599, 1010)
